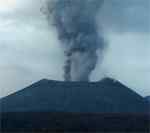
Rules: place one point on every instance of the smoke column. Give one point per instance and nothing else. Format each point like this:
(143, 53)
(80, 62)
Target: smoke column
(75, 21)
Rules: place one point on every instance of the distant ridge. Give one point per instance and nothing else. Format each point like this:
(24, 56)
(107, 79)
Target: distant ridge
(105, 96)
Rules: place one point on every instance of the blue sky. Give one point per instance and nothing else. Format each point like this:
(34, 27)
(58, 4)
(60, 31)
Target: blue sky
(30, 50)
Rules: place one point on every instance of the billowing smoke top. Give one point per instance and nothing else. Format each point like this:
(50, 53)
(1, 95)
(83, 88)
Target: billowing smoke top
(75, 21)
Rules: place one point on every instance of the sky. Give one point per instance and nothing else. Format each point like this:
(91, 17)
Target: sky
(30, 50)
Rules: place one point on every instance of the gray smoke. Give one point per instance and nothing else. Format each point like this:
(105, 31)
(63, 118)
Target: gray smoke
(75, 21)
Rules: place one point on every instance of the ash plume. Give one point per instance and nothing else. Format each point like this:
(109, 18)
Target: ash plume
(75, 21)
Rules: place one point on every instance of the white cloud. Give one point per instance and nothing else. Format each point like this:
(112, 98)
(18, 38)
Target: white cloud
(29, 51)
(127, 59)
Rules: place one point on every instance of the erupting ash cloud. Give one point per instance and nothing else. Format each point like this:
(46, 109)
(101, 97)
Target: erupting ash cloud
(75, 21)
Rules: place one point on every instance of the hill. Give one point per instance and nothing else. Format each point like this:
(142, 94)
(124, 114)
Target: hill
(106, 96)
(50, 106)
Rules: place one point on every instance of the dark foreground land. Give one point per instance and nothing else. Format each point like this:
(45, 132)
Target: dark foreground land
(74, 122)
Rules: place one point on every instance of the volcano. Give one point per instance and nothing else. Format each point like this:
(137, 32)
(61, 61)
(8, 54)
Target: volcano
(106, 96)
(50, 105)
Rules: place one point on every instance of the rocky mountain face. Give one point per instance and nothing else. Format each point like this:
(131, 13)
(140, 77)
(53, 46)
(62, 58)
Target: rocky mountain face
(105, 96)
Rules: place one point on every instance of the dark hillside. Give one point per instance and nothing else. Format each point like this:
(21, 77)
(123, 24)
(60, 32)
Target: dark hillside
(49, 106)
(106, 96)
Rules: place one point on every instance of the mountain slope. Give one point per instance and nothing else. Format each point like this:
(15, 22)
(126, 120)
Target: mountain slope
(106, 96)
(148, 99)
